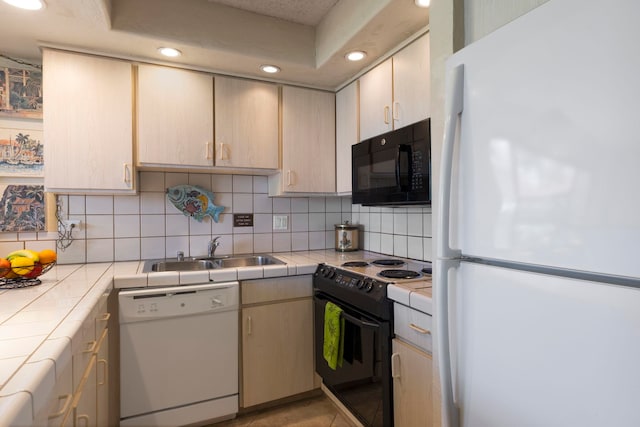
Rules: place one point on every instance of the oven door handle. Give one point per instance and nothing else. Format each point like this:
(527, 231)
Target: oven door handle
(361, 323)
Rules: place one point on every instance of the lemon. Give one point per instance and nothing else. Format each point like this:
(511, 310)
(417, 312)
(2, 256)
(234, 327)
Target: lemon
(22, 265)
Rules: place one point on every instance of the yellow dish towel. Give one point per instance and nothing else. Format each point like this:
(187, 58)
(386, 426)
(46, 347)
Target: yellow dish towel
(333, 345)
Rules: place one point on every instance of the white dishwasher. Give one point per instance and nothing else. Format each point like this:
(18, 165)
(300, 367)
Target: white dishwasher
(178, 354)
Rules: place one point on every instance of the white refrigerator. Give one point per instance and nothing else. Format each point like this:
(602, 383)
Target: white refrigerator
(537, 278)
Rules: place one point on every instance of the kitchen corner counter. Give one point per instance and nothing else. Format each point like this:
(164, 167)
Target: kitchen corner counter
(417, 295)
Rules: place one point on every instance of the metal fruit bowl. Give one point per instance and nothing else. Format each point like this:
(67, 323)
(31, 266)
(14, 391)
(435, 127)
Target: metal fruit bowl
(22, 281)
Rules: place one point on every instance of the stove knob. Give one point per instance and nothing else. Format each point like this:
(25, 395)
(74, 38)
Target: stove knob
(331, 274)
(368, 285)
(359, 283)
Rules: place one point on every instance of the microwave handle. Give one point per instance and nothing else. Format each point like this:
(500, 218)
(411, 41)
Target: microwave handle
(403, 148)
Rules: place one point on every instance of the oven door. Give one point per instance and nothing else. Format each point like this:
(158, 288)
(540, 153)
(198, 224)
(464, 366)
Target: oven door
(363, 382)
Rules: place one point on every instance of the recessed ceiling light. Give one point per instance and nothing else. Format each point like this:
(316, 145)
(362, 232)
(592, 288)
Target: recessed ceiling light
(423, 3)
(270, 69)
(169, 51)
(356, 55)
(27, 4)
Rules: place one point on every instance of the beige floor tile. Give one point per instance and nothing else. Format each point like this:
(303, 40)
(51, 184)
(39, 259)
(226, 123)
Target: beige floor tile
(314, 412)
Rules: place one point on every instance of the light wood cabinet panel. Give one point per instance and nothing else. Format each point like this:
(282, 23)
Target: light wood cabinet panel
(175, 117)
(376, 98)
(346, 134)
(412, 377)
(276, 289)
(102, 381)
(397, 92)
(246, 123)
(308, 142)
(88, 123)
(277, 351)
(411, 83)
(83, 409)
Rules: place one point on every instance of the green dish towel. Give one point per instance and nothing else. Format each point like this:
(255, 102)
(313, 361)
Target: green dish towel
(333, 345)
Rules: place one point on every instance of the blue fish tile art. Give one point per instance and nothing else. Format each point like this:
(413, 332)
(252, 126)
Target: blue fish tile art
(194, 201)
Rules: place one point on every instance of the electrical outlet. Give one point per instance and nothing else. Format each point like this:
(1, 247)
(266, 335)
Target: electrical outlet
(280, 222)
(68, 223)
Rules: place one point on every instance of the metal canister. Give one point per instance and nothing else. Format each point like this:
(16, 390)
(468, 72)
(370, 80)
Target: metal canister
(347, 237)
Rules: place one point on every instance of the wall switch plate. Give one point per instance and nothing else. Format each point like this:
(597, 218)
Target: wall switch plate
(280, 222)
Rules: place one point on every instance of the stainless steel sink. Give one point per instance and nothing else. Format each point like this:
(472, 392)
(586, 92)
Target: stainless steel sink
(245, 261)
(209, 263)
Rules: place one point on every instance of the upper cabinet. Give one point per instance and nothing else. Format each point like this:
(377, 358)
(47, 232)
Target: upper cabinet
(346, 134)
(175, 117)
(176, 120)
(88, 123)
(397, 92)
(246, 123)
(308, 143)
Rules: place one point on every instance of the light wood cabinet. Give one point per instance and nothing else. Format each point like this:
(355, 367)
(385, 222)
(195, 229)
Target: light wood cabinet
(277, 339)
(246, 123)
(346, 134)
(308, 143)
(88, 123)
(397, 92)
(412, 376)
(175, 117)
(102, 381)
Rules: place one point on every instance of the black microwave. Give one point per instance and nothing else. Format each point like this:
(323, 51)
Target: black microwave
(393, 168)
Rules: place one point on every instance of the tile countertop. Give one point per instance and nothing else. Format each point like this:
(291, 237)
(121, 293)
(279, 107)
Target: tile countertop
(31, 318)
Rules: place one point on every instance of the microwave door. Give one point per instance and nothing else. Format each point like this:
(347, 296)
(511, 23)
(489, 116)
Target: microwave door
(404, 166)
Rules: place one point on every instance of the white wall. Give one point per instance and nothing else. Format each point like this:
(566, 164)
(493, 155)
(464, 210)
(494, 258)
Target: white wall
(481, 17)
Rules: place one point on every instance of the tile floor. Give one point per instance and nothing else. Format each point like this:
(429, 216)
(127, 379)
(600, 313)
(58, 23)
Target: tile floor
(313, 412)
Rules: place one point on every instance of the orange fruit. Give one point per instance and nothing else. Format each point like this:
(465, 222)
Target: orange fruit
(5, 267)
(47, 256)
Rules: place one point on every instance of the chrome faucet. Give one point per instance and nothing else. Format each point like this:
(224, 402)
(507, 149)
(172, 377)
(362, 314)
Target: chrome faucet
(213, 245)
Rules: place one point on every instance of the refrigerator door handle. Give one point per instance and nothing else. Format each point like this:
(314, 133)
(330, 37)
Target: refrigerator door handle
(450, 416)
(453, 108)
(447, 257)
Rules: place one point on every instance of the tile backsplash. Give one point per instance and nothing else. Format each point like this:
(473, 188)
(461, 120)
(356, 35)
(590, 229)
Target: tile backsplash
(148, 226)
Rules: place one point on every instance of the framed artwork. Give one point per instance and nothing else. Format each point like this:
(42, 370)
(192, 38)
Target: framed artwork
(22, 208)
(20, 93)
(21, 152)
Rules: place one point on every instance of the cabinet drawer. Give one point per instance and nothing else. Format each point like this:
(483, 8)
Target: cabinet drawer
(276, 289)
(413, 326)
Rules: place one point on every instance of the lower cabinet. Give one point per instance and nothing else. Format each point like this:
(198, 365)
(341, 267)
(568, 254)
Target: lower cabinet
(412, 376)
(277, 339)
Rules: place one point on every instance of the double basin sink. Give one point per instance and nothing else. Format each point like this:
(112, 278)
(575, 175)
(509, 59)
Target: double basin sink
(195, 264)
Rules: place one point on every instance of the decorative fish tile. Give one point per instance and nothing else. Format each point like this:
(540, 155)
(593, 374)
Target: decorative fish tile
(194, 201)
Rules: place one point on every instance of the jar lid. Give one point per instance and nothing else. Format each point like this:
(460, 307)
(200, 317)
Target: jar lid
(346, 226)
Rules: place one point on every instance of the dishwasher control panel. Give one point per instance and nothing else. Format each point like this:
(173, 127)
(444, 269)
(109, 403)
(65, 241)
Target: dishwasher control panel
(144, 304)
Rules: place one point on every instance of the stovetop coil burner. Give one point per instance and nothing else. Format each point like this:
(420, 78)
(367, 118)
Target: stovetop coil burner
(399, 274)
(388, 262)
(355, 264)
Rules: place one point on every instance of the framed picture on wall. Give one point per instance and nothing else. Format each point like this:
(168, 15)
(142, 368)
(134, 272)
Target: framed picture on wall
(22, 208)
(20, 93)
(21, 152)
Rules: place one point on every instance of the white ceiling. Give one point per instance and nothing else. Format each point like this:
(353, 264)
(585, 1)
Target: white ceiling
(307, 39)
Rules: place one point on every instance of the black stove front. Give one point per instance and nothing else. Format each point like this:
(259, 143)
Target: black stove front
(362, 381)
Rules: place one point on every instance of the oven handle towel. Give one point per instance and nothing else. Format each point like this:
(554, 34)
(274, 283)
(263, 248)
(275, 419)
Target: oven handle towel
(333, 345)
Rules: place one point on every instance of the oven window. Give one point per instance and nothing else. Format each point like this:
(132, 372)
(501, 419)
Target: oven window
(361, 383)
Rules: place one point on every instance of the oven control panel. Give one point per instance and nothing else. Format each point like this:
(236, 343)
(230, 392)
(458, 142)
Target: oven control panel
(353, 281)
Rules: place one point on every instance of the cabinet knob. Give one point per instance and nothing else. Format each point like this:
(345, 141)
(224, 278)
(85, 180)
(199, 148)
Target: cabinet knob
(386, 114)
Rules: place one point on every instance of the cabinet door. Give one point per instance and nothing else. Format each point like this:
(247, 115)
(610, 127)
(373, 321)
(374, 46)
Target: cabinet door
(102, 381)
(376, 96)
(246, 123)
(88, 123)
(308, 141)
(175, 117)
(412, 377)
(84, 403)
(346, 134)
(411, 83)
(277, 351)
